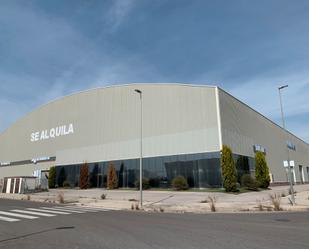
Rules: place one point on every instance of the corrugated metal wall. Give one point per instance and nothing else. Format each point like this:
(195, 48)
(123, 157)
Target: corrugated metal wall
(242, 127)
(178, 119)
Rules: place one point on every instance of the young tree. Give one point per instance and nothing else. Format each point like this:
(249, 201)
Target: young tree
(84, 176)
(52, 177)
(112, 180)
(261, 170)
(228, 170)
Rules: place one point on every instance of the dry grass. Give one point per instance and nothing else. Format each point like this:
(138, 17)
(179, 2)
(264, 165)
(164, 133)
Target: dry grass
(260, 206)
(60, 197)
(276, 201)
(136, 206)
(212, 203)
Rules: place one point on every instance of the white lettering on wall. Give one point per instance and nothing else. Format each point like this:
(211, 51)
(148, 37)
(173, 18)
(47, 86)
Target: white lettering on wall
(61, 130)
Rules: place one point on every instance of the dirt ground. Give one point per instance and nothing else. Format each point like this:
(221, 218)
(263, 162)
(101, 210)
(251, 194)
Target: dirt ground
(173, 201)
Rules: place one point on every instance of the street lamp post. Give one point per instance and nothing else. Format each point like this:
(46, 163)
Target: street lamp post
(141, 148)
(288, 151)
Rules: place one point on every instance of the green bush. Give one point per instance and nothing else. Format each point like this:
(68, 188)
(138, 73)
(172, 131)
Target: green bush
(261, 170)
(145, 183)
(52, 177)
(66, 184)
(228, 170)
(180, 183)
(154, 182)
(249, 182)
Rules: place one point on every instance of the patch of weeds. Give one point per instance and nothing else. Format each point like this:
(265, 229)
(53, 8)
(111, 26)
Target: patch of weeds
(283, 194)
(204, 201)
(103, 196)
(60, 197)
(28, 197)
(132, 200)
(161, 209)
(260, 206)
(276, 201)
(136, 206)
(212, 203)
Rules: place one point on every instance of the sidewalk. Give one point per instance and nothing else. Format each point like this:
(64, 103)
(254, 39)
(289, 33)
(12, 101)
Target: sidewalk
(173, 201)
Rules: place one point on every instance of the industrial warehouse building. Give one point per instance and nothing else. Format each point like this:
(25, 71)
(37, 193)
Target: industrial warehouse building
(183, 130)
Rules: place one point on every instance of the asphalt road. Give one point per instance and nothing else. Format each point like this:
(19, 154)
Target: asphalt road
(139, 230)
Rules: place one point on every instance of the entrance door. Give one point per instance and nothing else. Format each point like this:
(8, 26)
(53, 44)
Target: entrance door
(4, 185)
(301, 174)
(17, 185)
(12, 185)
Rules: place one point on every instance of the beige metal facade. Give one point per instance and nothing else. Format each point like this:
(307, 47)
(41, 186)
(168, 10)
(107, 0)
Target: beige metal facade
(177, 119)
(243, 127)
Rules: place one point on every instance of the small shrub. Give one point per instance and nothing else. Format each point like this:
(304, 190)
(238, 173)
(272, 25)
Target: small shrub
(154, 182)
(60, 197)
(283, 194)
(136, 206)
(161, 209)
(145, 183)
(204, 201)
(249, 182)
(276, 201)
(103, 196)
(180, 183)
(66, 184)
(260, 206)
(132, 199)
(28, 197)
(212, 203)
(52, 177)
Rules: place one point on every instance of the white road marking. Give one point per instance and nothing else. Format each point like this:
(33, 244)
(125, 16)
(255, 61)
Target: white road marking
(47, 211)
(8, 219)
(63, 209)
(88, 209)
(18, 215)
(82, 209)
(34, 213)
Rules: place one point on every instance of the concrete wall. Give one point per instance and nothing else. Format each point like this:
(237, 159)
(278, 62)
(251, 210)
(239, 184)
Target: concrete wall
(178, 119)
(242, 127)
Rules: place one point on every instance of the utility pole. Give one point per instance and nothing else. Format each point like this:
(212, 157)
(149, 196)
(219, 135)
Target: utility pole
(141, 148)
(288, 150)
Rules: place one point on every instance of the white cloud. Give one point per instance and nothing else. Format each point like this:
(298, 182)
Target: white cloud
(118, 12)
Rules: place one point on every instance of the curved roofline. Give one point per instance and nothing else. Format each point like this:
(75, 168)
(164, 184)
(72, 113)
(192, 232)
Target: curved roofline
(150, 83)
(104, 87)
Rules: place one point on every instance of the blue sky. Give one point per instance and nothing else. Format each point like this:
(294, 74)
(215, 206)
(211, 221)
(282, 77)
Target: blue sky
(53, 48)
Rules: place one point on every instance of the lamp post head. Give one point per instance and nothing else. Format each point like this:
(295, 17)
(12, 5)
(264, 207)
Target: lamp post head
(281, 87)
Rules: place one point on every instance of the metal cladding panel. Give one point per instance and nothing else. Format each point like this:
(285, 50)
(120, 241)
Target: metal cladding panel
(177, 119)
(242, 128)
